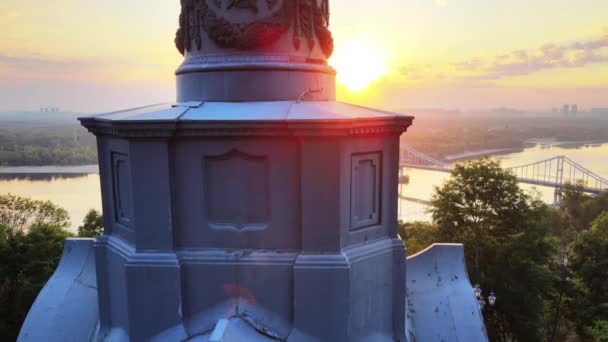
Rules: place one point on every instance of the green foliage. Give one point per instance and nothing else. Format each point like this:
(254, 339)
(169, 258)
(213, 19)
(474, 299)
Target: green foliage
(572, 210)
(546, 265)
(92, 226)
(27, 260)
(31, 242)
(507, 250)
(18, 213)
(38, 144)
(441, 133)
(589, 261)
(418, 235)
(599, 331)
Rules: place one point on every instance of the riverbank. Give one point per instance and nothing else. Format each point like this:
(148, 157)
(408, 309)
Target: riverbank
(481, 153)
(50, 169)
(565, 144)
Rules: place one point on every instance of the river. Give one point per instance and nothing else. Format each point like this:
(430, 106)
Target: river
(77, 188)
(422, 182)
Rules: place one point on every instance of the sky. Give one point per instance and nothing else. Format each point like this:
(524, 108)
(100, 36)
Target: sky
(92, 55)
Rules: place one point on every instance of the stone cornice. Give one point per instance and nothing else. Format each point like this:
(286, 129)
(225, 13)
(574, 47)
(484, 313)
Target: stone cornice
(305, 128)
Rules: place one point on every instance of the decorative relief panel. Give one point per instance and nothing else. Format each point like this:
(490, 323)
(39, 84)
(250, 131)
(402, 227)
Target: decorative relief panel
(365, 190)
(236, 191)
(121, 182)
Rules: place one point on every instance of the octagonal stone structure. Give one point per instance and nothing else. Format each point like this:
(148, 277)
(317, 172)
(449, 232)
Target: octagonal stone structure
(284, 212)
(256, 208)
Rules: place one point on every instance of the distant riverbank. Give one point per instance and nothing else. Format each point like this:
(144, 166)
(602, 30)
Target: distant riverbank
(481, 153)
(565, 144)
(50, 169)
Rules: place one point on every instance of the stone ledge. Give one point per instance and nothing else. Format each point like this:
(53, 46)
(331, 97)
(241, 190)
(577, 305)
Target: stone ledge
(442, 306)
(66, 308)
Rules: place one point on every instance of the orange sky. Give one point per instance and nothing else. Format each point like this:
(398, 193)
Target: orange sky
(91, 55)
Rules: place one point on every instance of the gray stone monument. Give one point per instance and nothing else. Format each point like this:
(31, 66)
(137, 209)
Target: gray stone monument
(255, 208)
(257, 196)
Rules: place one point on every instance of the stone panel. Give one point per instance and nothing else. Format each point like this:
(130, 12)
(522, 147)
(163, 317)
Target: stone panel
(237, 195)
(116, 187)
(365, 195)
(121, 186)
(368, 175)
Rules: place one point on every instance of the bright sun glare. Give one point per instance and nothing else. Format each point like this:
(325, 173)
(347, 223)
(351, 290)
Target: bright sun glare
(359, 63)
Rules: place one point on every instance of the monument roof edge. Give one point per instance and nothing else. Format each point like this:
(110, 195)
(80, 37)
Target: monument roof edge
(254, 111)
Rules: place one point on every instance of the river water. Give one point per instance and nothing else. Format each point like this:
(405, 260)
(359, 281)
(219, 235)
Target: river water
(423, 182)
(77, 189)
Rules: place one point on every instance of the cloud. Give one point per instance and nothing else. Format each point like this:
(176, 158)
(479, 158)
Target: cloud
(39, 68)
(525, 62)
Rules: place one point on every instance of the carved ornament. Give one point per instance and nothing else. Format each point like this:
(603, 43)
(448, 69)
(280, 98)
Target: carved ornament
(308, 18)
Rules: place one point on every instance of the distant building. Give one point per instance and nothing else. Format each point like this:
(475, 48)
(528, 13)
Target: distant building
(574, 109)
(566, 109)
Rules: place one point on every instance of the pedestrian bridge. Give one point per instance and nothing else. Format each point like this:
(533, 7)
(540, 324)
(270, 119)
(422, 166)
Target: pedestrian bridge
(553, 172)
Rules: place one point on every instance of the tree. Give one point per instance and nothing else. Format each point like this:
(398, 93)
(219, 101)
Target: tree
(599, 331)
(578, 210)
(589, 302)
(593, 207)
(92, 226)
(31, 242)
(573, 219)
(418, 235)
(504, 230)
(27, 260)
(18, 213)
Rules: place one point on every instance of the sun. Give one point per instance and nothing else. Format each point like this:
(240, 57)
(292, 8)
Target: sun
(359, 63)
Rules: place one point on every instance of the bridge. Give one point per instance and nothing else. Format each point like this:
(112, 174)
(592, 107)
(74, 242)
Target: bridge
(553, 172)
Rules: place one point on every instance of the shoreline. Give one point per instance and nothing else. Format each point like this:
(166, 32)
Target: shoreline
(527, 144)
(482, 153)
(542, 141)
(50, 169)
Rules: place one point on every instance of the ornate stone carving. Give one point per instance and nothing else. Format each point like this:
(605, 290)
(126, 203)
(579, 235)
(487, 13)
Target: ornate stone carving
(309, 19)
(244, 4)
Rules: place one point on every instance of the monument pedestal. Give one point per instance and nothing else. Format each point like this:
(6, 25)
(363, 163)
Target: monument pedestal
(286, 220)
(257, 208)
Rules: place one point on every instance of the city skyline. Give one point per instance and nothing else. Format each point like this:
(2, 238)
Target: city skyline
(97, 56)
